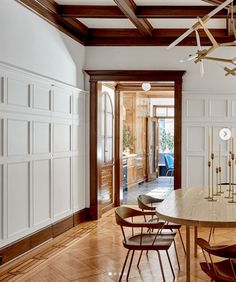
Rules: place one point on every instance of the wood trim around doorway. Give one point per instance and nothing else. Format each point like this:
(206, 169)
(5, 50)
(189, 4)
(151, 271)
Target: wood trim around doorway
(128, 75)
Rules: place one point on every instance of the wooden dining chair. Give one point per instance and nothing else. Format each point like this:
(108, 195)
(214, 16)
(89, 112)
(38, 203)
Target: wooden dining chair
(224, 270)
(145, 203)
(137, 238)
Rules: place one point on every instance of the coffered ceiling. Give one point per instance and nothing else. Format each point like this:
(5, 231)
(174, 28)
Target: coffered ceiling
(130, 22)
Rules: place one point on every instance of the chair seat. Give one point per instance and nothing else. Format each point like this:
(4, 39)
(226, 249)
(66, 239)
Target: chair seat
(224, 272)
(166, 226)
(162, 242)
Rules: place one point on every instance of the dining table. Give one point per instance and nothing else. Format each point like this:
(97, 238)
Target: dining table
(189, 207)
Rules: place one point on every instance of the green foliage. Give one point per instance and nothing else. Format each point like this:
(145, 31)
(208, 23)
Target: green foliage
(128, 138)
(166, 141)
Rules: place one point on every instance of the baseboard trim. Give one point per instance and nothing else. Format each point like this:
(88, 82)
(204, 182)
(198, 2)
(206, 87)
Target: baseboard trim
(28, 243)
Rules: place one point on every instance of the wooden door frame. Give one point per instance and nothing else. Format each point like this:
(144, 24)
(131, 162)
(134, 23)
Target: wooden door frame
(127, 75)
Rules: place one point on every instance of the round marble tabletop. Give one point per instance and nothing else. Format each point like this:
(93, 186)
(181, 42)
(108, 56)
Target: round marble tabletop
(187, 206)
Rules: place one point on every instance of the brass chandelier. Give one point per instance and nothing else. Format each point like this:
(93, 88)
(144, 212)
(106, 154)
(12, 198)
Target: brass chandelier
(206, 54)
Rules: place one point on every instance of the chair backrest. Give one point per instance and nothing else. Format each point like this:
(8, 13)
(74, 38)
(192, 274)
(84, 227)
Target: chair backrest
(169, 161)
(145, 202)
(122, 213)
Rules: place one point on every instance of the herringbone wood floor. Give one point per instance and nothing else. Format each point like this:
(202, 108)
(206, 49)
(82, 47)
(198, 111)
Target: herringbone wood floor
(93, 252)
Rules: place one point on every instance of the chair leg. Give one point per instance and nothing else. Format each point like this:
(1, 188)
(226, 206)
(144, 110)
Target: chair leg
(182, 242)
(172, 270)
(123, 268)
(131, 260)
(139, 258)
(209, 238)
(162, 271)
(177, 257)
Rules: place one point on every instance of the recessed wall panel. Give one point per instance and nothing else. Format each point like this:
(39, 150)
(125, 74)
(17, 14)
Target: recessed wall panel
(1, 137)
(17, 137)
(17, 198)
(1, 201)
(195, 139)
(61, 138)
(41, 98)
(195, 108)
(78, 135)
(18, 92)
(41, 191)
(78, 182)
(195, 171)
(218, 108)
(41, 138)
(62, 101)
(62, 189)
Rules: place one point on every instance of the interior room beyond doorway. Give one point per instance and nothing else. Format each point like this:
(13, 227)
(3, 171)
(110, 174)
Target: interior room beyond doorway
(147, 130)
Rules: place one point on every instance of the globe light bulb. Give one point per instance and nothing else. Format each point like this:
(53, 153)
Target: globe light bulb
(146, 86)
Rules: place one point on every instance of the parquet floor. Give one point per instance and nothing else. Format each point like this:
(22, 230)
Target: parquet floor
(93, 252)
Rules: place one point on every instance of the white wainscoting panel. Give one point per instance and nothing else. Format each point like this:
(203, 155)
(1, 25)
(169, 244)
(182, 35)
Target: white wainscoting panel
(41, 137)
(18, 137)
(42, 97)
(61, 138)
(202, 111)
(218, 108)
(62, 100)
(43, 161)
(1, 138)
(1, 202)
(62, 186)
(78, 180)
(18, 91)
(41, 191)
(18, 195)
(196, 171)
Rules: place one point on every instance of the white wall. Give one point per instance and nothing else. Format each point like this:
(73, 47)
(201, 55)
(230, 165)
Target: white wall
(42, 152)
(200, 107)
(29, 42)
(158, 58)
(43, 124)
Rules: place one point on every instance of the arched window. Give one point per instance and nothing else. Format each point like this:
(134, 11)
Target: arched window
(107, 128)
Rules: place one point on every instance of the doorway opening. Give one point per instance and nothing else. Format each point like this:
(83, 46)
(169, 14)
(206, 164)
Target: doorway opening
(147, 133)
(101, 177)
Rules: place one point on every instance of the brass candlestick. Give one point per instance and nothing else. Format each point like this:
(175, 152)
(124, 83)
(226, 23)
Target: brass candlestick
(220, 191)
(217, 183)
(209, 181)
(232, 183)
(212, 180)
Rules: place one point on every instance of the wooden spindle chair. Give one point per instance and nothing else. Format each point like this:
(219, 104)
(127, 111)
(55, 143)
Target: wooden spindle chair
(139, 239)
(145, 203)
(224, 270)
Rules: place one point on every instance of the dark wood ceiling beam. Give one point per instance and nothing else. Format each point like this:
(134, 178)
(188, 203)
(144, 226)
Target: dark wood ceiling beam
(128, 7)
(91, 11)
(161, 37)
(108, 12)
(47, 9)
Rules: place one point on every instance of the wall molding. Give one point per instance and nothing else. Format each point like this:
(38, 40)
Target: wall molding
(51, 231)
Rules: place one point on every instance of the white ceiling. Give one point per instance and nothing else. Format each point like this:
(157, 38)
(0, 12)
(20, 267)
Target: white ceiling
(138, 2)
(170, 2)
(185, 23)
(107, 23)
(86, 2)
(156, 23)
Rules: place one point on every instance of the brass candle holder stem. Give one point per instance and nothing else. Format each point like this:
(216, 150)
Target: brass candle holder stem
(212, 179)
(232, 183)
(220, 191)
(217, 182)
(209, 180)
